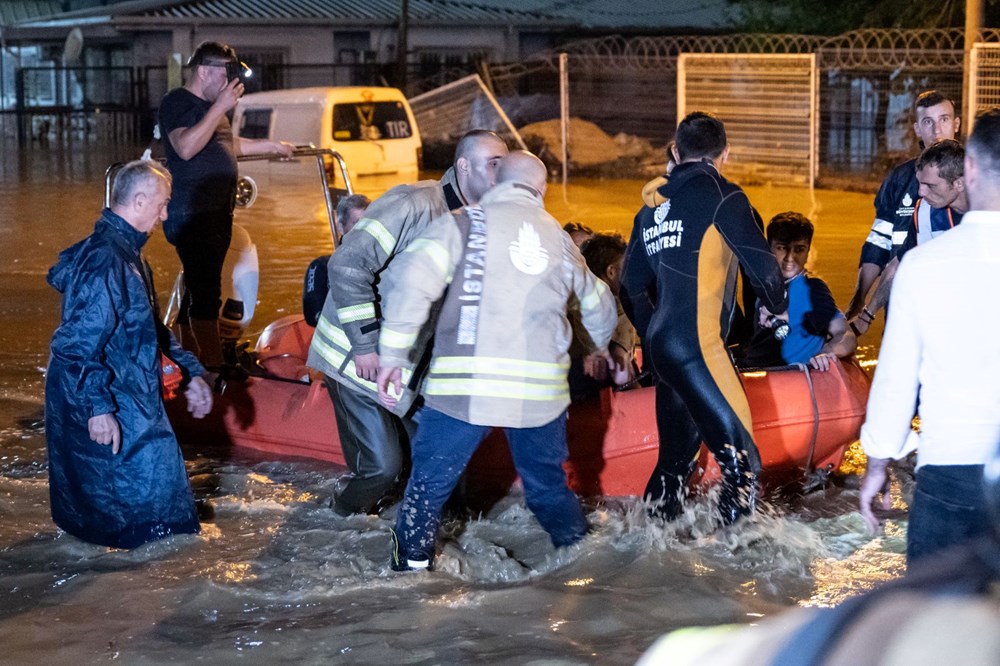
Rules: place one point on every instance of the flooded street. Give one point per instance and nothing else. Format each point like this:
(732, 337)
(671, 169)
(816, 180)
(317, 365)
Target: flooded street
(276, 577)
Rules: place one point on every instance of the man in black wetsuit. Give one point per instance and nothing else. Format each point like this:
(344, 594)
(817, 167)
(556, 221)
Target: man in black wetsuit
(679, 289)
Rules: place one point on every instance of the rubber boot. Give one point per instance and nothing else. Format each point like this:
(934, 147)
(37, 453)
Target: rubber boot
(206, 334)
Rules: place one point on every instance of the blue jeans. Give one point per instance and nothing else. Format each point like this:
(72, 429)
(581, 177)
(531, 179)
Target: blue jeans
(442, 449)
(949, 507)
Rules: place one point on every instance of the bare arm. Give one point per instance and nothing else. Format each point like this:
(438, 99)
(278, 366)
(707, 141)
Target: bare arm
(189, 141)
(867, 274)
(863, 320)
(263, 147)
(842, 342)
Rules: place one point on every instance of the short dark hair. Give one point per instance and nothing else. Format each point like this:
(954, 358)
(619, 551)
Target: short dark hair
(345, 204)
(929, 98)
(789, 227)
(134, 175)
(948, 156)
(601, 250)
(700, 135)
(984, 142)
(571, 227)
(212, 53)
(471, 138)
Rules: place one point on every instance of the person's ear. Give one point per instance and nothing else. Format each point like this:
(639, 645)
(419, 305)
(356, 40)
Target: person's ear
(960, 183)
(463, 166)
(140, 200)
(724, 157)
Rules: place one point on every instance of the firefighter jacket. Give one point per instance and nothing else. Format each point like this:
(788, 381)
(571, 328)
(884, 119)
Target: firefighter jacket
(501, 343)
(363, 278)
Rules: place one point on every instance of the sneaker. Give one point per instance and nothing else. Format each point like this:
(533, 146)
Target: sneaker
(401, 561)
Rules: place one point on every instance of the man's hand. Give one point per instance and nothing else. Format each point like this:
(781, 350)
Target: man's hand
(283, 148)
(199, 398)
(622, 371)
(366, 366)
(876, 481)
(104, 429)
(229, 95)
(389, 377)
(596, 365)
(766, 317)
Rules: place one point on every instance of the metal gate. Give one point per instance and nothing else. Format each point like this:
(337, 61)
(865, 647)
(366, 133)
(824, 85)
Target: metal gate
(769, 105)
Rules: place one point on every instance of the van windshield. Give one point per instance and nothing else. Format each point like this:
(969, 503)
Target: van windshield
(370, 121)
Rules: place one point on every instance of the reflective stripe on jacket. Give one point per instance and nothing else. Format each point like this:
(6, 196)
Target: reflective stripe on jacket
(362, 274)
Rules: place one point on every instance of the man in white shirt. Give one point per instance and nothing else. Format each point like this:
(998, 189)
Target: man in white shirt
(939, 346)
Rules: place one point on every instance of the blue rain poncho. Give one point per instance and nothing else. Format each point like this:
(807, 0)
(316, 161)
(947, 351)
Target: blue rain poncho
(105, 358)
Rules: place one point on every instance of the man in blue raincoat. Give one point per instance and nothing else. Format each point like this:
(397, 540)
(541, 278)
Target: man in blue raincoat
(116, 474)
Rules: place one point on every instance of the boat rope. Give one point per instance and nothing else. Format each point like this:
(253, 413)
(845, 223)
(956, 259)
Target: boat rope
(815, 433)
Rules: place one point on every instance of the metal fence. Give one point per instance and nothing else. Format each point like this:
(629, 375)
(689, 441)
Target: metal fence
(868, 80)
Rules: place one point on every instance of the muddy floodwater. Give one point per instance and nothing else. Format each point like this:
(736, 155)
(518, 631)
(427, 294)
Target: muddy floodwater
(275, 577)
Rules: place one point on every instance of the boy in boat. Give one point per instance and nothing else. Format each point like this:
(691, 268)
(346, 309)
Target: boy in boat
(817, 331)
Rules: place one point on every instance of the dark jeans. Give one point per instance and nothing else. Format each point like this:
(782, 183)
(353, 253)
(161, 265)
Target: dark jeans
(441, 451)
(202, 241)
(949, 507)
(374, 442)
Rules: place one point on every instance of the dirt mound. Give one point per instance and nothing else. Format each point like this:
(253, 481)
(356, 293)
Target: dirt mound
(591, 149)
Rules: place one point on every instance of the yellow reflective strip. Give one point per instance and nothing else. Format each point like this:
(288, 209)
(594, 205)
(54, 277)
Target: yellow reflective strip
(389, 338)
(333, 332)
(487, 365)
(591, 300)
(494, 388)
(358, 312)
(436, 252)
(335, 358)
(377, 231)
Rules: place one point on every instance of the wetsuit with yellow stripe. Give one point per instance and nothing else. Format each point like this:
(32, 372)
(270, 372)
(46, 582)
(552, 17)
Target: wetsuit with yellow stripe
(679, 288)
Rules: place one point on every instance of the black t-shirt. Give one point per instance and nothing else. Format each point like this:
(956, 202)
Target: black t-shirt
(207, 181)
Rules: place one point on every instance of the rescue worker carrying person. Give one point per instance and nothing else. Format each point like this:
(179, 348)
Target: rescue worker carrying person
(503, 273)
(679, 290)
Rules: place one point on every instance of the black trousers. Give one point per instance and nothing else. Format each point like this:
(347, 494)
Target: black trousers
(376, 447)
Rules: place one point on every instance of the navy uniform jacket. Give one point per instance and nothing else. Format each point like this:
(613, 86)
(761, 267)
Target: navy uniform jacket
(894, 206)
(105, 358)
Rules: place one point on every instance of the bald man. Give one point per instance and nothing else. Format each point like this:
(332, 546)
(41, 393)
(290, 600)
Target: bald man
(501, 351)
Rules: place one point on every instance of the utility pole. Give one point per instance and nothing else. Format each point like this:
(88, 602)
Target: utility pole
(973, 28)
(401, 44)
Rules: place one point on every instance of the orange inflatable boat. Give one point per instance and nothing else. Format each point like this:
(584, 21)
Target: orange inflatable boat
(802, 420)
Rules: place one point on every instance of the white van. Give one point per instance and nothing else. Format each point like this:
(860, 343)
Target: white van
(373, 128)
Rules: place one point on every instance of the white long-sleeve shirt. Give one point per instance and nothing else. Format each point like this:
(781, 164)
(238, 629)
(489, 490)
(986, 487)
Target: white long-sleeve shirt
(941, 343)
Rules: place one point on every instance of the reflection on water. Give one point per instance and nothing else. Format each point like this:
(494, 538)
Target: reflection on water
(275, 574)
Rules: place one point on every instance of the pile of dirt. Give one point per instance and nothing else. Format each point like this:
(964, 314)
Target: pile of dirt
(591, 149)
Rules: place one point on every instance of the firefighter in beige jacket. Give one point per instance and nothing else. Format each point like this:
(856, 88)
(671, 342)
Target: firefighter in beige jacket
(506, 271)
(363, 279)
